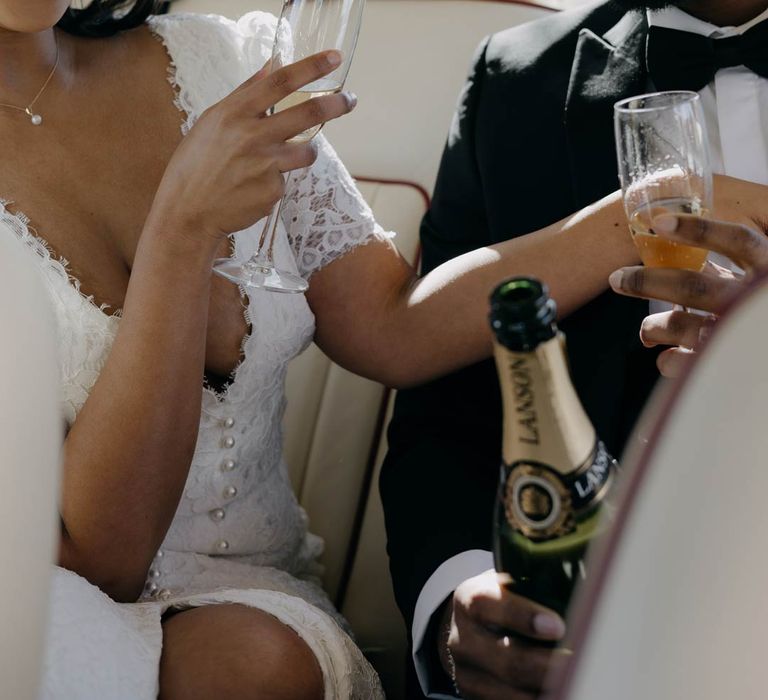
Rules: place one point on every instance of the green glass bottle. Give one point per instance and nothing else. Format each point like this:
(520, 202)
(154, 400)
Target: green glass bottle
(555, 472)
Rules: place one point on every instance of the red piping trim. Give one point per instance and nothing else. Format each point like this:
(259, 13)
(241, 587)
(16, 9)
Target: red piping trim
(554, 5)
(404, 183)
(582, 625)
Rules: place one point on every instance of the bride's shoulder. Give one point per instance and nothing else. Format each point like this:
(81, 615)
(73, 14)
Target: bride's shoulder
(211, 55)
(249, 37)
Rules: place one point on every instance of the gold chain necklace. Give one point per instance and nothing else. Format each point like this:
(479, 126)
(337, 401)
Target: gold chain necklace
(36, 119)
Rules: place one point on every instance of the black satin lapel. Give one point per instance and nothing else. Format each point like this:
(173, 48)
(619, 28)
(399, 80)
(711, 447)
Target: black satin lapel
(603, 73)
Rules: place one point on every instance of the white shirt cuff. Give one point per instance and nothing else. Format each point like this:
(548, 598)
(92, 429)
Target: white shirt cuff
(447, 577)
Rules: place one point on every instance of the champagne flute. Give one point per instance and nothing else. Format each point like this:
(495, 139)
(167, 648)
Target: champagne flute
(664, 167)
(305, 27)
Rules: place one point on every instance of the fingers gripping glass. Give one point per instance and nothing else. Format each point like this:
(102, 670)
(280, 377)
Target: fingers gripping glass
(305, 27)
(664, 167)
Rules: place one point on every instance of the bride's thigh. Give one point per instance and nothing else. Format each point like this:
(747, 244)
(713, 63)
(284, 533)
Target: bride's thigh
(235, 652)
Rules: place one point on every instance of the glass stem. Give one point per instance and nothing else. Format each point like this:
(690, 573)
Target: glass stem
(265, 255)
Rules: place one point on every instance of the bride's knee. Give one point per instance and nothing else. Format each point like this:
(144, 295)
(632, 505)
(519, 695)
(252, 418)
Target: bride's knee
(235, 652)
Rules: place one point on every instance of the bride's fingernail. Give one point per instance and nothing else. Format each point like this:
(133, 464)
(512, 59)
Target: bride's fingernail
(666, 223)
(616, 278)
(351, 99)
(333, 58)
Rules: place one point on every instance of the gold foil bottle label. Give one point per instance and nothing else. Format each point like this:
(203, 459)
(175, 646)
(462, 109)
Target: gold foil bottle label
(537, 503)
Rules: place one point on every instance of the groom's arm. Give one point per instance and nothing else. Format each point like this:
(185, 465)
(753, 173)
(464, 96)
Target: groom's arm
(439, 478)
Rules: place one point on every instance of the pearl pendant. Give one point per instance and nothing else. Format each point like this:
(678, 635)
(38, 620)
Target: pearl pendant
(36, 119)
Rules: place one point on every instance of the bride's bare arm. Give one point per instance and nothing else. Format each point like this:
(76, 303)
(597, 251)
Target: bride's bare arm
(129, 451)
(127, 454)
(377, 319)
(408, 330)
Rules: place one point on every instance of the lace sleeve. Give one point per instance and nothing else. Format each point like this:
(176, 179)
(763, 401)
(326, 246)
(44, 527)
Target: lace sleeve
(325, 214)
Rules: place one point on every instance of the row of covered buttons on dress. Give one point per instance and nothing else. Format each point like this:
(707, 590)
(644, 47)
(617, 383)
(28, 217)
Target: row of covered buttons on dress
(152, 587)
(228, 465)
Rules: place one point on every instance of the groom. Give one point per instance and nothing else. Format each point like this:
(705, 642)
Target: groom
(532, 142)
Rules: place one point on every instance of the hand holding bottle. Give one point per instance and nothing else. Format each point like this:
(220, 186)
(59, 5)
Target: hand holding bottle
(554, 478)
(499, 641)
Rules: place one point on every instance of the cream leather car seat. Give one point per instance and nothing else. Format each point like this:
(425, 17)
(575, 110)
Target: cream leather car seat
(411, 62)
(30, 439)
(676, 608)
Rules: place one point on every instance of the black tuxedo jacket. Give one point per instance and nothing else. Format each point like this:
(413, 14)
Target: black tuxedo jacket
(532, 142)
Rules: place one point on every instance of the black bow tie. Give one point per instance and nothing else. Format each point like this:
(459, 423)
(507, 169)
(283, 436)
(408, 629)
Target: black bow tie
(685, 61)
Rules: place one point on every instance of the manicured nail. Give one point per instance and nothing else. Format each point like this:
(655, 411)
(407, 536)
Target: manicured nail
(333, 58)
(665, 223)
(615, 279)
(704, 333)
(351, 99)
(548, 626)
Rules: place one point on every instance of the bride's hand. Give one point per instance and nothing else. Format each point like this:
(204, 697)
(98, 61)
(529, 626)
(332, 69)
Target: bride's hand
(227, 173)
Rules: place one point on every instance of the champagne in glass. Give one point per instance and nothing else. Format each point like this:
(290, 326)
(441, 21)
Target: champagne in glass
(659, 252)
(305, 28)
(664, 168)
(319, 88)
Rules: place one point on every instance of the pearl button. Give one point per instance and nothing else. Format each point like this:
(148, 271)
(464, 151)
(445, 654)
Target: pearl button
(159, 554)
(229, 423)
(229, 442)
(164, 594)
(218, 514)
(228, 465)
(230, 492)
(151, 588)
(154, 573)
(222, 545)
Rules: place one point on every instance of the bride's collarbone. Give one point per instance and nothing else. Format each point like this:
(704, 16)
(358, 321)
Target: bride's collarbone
(87, 179)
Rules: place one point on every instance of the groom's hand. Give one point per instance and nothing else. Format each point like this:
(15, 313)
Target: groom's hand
(494, 641)
(709, 290)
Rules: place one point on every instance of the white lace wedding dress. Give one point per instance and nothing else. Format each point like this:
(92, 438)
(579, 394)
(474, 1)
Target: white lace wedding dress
(239, 535)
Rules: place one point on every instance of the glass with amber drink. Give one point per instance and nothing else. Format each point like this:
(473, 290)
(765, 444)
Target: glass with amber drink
(664, 168)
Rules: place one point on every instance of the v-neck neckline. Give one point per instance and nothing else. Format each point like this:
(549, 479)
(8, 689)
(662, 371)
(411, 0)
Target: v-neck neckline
(45, 251)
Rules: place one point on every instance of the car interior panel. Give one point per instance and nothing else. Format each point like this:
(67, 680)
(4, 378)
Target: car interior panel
(30, 441)
(687, 541)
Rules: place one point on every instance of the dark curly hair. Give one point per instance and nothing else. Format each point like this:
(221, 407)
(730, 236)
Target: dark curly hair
(107, 17)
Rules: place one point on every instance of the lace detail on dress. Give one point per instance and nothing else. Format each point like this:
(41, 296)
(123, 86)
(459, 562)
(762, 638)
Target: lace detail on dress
(85, 331)
(19, 224)
(201, 56)
(325, 214)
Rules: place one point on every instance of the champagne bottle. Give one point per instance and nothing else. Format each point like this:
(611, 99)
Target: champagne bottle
(555, 472)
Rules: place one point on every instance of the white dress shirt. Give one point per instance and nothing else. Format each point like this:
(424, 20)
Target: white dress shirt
(735, 103)
(736, 109)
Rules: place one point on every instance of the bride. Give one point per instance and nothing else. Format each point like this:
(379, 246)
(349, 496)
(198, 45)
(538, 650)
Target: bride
(186, 567)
